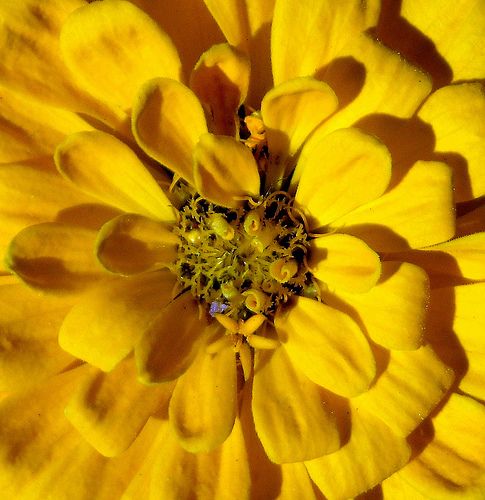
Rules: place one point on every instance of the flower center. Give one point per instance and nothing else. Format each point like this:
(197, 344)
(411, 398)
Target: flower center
(243, 261)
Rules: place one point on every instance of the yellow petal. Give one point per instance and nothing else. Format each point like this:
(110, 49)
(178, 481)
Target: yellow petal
(418, 212)
(393, 312)
(106, 168)
(31, 61)
(167, 121)
(457, 115)
(372, 453)
(113, 47)
(472, 381)
(453, 29)
(344, 262)
(232, 18)
(170, 343)
(103, 327)
(110, 410)
(178, 474)
(411, 385)
(292, 110)
(203, 406)
(29, 323)
(290, 416)
(457, 261)
(296, 481)
(472, 222)
(307, 35)
(365, 80)
(334, 173)
(56, 257)
(453, 464)
(327, 346)
(190, 26)
(131, 244)
(32, 192)
(220, 80)
(32, 129)
(224, 170)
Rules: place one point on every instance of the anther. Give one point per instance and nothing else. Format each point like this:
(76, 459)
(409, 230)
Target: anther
(221, 227)
(283, 270)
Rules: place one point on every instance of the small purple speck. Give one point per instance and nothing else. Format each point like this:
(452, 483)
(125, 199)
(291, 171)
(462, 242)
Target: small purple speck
(217, 307)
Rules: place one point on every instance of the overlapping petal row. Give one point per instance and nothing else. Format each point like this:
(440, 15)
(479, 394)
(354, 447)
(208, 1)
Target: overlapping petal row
(110, 378)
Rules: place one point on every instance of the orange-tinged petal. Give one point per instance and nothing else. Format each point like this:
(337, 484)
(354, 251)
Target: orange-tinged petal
(327, 346)
(104, 326)
(220, 80)
(393, 312)
(167, 121)
(307, 35)
(455, 29)
(457, 115)
(110, 410)
(417, 212)
(55, 257)
(334, 173)
(457, 261)
(131, 244)
(106, 168)
(224, 170)
(31, 61)
(170, 343)
(30, 129)
(344, 262)
(113, 47)
(181, 475)
(289, 414)
(372, 453)
(411, 385)
(29, 322)
(453, 464)
(292, 110)
(204, 403)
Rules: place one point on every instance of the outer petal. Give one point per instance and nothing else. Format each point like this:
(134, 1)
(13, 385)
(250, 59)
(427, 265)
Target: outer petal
(471, 222)
(307, 35)
(30, 129)
(453, 464)
(203, 406)
(131, 244)
(106, 168)
(411, 385)
(105, 325)
(224, 170)
(110, 410)
(393, 312)
(419, 211)
(292, 110)
(327, 346)
(220, 80)
(31, 62)
(167, 121)
(179, 475)
(457, 115)
(455, 29)
(56, 257)
(29, 323)
(33, 192)
(344, 262)
(372, 453)
(289, 415)
(112, 47)
(453, 262)
(334, 174)
(171, 341)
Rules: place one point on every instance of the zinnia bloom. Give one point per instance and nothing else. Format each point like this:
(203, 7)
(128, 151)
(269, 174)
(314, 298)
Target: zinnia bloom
(244, 249)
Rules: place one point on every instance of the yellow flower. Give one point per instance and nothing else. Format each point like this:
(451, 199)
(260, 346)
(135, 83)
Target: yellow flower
(233, 267)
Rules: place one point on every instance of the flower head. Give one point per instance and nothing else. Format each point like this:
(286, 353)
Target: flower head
(254, 240)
